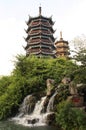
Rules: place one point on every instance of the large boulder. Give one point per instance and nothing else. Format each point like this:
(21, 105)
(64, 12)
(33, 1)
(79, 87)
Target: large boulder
(73, 88)
(50, 87)
(78, 101)
(50, 119)
(45, 105)
(28, 105)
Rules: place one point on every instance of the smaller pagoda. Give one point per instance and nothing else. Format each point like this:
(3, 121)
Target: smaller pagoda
(62, 48)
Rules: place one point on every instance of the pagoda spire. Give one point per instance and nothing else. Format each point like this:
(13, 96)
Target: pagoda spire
(61, 35)
(40, 10)
(62, 48)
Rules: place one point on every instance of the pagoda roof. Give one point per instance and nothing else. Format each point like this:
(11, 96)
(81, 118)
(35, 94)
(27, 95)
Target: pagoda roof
(62, 46)
(40, 26)
(39, 18)
(38, 40)
(40, 35)
(40, 43)
(41, 51)
(47, 32)
(33, 24)
(60, 41)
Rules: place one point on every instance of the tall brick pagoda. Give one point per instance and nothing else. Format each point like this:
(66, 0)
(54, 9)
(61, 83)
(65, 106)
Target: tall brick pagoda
(40, 39)
(62, 47)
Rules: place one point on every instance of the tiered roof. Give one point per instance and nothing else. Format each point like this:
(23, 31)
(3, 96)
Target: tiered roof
(62, 48)
(40, 40)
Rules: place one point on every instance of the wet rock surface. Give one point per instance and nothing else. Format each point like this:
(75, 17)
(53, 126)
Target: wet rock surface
(50, 120)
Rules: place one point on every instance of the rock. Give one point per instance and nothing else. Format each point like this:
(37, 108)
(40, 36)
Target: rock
(32, 121)
(50, 120)
(28, 105)
(29, 121)
(66, 80)
(77, 101)
(73, 88)
(69, 99)
(45, 105)
(50, 87)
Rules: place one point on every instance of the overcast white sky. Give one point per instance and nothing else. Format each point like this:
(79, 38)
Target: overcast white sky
(69, 17)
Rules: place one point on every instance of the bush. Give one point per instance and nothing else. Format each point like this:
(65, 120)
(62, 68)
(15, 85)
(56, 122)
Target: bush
(70, 118)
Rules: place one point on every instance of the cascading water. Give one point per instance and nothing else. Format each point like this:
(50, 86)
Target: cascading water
(51, 102)
(24, 108)
(37, 117)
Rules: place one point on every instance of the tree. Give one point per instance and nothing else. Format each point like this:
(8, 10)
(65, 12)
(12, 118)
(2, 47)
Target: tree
(79, 42)
(79, 57)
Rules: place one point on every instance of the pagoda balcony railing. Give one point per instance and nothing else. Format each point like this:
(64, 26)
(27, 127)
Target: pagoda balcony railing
(35, 43)
(62, 46)
(41, 52)
(40, 41)
(36, 19)
(40, 25)
(40, 46)
(40, 36)
(38, 28)
(40, 32)
(40, 49)
(34, 38)
(32, 24)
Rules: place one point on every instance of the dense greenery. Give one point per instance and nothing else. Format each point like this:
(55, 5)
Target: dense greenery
(29, 76)
(70, 118)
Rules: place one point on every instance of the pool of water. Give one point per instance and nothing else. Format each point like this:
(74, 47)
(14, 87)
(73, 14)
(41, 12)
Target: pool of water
(7, 125)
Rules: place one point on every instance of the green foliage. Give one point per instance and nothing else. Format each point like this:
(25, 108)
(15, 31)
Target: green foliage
(29, 76)
(4, 82)
(63, 93)
(80, 73)
(70, 118)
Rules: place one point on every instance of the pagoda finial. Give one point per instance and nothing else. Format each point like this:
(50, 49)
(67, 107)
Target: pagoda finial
(40, 10)
(61, 35)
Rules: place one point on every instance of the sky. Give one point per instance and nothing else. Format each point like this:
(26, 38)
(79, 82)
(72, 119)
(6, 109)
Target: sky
(69, 17)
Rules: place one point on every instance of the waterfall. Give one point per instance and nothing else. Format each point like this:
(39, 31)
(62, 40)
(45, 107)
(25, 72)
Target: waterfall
(33, 115)
(39, 106)
(51, 102)
(36, 118)
(24, 108)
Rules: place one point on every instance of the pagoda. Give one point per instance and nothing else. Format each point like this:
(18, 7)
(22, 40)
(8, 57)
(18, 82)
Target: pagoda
(40, 39)
(62, 48)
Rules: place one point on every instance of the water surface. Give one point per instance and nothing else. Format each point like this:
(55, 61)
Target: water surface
(7, 125)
